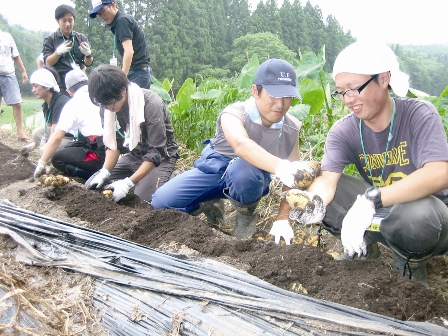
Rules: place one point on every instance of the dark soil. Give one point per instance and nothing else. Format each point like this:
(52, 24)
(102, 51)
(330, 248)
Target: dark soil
(371, 286)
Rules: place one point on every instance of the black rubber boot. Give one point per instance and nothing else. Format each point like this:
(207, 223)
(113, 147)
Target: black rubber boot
(246, 220)
(213, 210)
(412, 268)
(75, 171)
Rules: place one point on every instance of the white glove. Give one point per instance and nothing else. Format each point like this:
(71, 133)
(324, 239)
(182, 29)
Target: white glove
(355, 223)
(64, 47)
(281, 228)
(85, 48)
(39, 168)
(120, 188)
(286, 171)
(306, 207)
(98, 179)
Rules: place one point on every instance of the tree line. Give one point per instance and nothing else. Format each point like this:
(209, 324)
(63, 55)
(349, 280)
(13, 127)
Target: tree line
(198, 39)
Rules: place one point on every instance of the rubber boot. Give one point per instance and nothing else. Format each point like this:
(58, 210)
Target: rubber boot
(213, 210)
(412, 268)
(75, 171)
(246, 219)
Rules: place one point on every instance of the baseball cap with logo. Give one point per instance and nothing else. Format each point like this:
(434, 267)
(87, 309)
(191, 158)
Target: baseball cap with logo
(74, 77)
(97, 5)
(278, 78)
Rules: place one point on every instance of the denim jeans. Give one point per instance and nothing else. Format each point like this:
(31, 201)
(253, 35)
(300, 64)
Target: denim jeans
(140, 77)
(212, 174)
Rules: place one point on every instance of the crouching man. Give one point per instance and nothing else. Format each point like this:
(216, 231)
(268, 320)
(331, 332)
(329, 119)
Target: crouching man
(141, 115)
(253, 139)
(400, 149)
(85, 155)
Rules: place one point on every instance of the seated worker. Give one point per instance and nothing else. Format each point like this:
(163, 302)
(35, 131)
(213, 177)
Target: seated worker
(66, 49)
(45, 82)
(127, 109)
(253, 139)
(400, 149)
(84, 156)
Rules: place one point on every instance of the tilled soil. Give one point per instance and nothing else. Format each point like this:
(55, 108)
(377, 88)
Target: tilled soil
(309, 270)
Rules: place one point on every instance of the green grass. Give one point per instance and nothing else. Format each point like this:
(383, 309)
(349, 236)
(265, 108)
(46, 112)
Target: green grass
(30, 105)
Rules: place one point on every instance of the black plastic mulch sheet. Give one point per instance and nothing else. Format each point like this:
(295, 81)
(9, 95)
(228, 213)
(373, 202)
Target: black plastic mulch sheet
(142, 291)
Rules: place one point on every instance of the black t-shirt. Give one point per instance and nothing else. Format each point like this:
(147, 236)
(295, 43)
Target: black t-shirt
(64, 64)
(124, 27)
(52, 112)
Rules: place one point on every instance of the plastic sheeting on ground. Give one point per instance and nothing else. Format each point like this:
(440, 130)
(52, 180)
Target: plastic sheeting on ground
(142, 291)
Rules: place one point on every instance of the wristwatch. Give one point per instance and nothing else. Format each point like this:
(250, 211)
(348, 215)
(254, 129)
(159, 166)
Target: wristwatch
(374, 194)
(90, 56)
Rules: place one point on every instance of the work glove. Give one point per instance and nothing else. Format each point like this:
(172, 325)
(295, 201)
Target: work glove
(85, 48)
(354, 224)
(281, 228)
(40, 168)
(98, 179)
(120, 188)
(27, 149)
(297, 174)
(65, 47)
(306, 208)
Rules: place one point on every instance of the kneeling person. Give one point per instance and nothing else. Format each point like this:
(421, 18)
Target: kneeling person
(85, 155)
(128, 109)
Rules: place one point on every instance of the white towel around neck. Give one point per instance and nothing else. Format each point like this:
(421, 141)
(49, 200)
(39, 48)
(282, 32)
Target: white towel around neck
(136, 102)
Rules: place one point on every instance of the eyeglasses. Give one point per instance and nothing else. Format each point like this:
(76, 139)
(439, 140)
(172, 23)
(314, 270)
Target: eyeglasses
(351, 92)
(107, 106)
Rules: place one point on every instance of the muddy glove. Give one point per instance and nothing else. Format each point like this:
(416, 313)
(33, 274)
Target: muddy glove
(306, 208)
(85, 48)
(354, 224)
(98, 179)
(120, 188)
(40, 168)
(297, 174)
(281, 228)
(64, 47)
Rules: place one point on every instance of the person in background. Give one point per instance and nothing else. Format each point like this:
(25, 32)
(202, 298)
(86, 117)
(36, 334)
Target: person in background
(40, 61)
(85, 155)
(253, 139)
(129, 39)
(9, 87)
(45, 82)
(400, 149)
(140, 114)
(66, 49)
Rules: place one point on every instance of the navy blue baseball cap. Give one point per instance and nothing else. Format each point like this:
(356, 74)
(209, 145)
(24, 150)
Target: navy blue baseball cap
(278, 78)
(97, 5)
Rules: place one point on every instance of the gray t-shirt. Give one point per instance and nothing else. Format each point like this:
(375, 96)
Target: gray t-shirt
(418, 138)
(277, 141)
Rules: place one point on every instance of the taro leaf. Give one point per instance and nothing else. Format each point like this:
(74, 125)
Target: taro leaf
(312, 94)
(310, 65)
(246, 78)
(210, 95)
(300, 111)
(183, 97)
(167, 85)
(158, 88)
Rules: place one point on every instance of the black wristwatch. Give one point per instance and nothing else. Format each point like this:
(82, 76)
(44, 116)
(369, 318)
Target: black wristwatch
(374, 194)
(90, 56)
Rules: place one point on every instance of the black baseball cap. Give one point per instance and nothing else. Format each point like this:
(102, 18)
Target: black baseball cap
(97, 5)
(278, 78)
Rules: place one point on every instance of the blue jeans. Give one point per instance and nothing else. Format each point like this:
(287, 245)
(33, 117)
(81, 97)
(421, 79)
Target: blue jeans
(212, 174)
(140, 77)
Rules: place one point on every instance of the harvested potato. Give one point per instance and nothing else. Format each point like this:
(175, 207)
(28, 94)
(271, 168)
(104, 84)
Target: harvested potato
(304, 177)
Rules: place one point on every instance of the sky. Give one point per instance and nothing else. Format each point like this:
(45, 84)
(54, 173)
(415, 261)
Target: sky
(392, 21)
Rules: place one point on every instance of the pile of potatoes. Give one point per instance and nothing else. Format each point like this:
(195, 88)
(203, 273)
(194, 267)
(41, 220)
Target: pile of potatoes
(53, 180)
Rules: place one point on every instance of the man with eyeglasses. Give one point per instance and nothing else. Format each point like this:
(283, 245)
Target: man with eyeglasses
(129, 39)
(140, 117)
(399, 148)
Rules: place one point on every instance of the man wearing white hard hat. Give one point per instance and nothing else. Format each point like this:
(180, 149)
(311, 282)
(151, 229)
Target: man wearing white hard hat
(399, 147)
(85, 155)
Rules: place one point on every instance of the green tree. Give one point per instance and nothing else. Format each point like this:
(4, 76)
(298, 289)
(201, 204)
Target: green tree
(263, 45)
(294, 27)
(316, 27)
